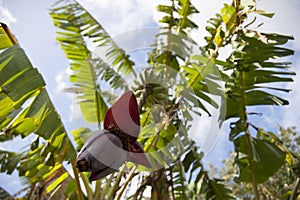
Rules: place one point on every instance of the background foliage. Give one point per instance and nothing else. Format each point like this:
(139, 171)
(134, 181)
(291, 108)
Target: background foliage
(252, 75)
(279, 186)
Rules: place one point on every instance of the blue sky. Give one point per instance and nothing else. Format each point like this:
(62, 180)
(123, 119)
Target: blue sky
(30, 22)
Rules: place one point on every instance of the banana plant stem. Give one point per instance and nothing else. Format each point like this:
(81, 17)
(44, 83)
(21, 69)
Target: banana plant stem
(78, 188)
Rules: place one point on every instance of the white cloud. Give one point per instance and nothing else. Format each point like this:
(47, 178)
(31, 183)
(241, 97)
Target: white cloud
(5, 15)
(285, 20)
(62, 80)
(70, 110)
(121, 16)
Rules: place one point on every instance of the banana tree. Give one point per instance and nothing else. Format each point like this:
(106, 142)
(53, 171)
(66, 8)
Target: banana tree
(178, 85)
(27, 109)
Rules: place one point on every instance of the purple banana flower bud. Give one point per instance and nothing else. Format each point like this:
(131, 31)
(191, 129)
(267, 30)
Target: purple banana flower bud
(101, 155)
(106, 150)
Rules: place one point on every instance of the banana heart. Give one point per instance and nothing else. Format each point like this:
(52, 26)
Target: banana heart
(106, 150)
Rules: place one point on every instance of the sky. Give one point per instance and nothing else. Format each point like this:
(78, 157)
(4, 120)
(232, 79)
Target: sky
(30, 22)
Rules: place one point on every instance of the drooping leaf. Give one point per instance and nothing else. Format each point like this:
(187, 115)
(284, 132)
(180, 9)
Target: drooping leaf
(255, 70)
(268, 158)
(76, 28)
(27, 109)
